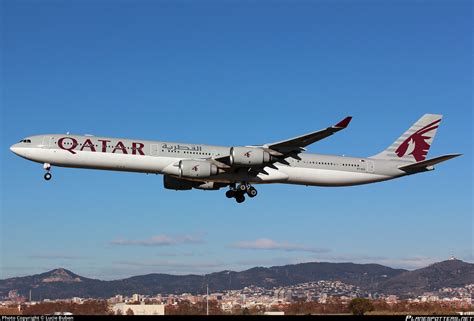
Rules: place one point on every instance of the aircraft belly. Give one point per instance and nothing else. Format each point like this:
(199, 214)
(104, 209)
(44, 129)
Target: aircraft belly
(272, 175)
(325, 177)
(134, 163)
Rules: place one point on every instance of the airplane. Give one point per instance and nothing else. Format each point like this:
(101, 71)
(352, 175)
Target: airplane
(206, 167)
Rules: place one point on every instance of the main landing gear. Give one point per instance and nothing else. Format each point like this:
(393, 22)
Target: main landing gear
(239, 192)
(48, 175)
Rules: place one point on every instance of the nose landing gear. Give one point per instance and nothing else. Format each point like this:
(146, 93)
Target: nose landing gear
(239, 192)
(48, 175)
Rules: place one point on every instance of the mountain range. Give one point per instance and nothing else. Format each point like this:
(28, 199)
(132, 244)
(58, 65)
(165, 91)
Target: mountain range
(61, 283)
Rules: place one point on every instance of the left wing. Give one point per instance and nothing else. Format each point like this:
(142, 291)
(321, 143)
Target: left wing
(290, 147)
(297, 144)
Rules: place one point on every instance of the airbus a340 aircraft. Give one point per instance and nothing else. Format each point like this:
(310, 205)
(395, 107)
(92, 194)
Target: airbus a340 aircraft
(207, 167)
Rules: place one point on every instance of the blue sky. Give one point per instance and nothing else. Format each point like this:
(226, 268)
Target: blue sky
(233, 73)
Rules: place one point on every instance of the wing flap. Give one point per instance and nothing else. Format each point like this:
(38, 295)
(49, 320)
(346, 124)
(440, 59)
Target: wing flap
(221, 162)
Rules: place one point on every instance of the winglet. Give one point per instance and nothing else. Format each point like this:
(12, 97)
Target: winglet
(343, 123)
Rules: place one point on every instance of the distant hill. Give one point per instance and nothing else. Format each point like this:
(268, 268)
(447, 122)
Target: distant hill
(450, 273)
(61, 283)
(357, 274)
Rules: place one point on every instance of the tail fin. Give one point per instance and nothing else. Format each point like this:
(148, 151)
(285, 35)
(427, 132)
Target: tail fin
(414, 144)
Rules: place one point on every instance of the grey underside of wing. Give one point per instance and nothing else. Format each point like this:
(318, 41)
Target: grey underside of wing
(298, 143)
(291, 147)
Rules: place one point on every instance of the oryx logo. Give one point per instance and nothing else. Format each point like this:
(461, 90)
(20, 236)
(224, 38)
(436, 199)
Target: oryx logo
(247, 154)
(416, 144)
(195, 168)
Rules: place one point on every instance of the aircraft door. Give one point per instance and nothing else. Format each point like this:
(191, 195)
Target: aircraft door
(47, 142)
(370, 166)
(154, 150)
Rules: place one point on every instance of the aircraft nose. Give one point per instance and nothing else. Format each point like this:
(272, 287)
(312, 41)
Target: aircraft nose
(14, 149)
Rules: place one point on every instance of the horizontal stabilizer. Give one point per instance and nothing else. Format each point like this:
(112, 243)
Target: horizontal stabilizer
(426, 164)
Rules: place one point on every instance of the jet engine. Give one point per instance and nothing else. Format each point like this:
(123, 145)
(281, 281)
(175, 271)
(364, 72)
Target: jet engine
(196, 168)
(249, 156)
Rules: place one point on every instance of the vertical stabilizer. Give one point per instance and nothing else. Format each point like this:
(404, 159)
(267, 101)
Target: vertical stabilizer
(414, 144)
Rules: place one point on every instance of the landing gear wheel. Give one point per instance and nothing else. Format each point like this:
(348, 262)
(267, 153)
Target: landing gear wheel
(239, 198)
(230, 193)
(47, 176)
(243, 187)
(252, 192)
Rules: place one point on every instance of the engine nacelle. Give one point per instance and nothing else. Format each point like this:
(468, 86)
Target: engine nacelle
(249, 156)
(170, 182)
(196, 168)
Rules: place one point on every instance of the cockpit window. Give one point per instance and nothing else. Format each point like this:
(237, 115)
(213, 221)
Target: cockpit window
(25, 141)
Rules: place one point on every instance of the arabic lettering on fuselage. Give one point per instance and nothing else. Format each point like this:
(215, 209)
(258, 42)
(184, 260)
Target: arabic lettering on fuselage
(71, 145)
(182, 147)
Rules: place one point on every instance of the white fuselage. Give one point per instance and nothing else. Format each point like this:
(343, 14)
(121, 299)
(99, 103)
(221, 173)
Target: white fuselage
(162, 158)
